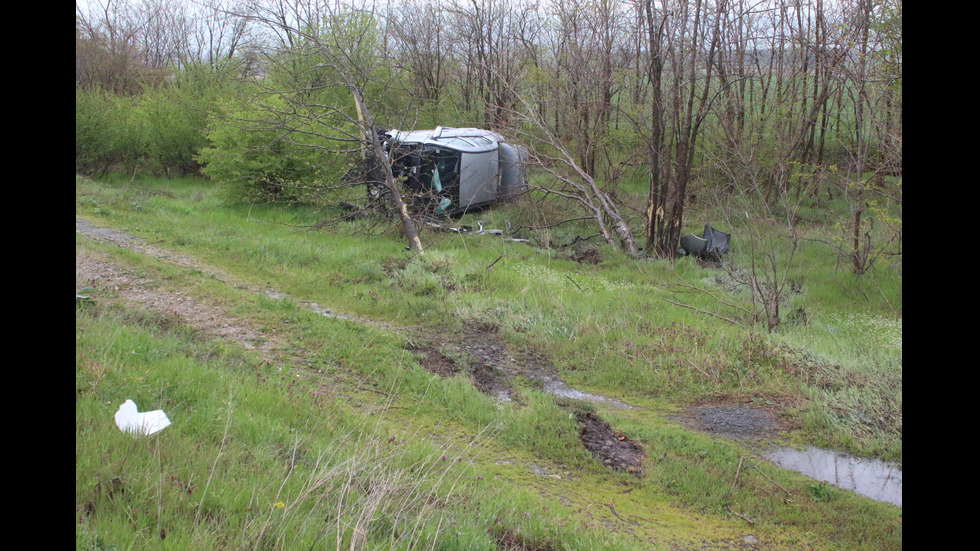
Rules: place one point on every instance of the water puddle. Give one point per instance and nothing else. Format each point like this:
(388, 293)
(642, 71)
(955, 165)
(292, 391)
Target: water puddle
(559, 388)
(325, 312)
(879, 480)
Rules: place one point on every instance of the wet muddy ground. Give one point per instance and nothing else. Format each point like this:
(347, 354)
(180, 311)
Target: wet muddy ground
(737, 422)
(493, 367)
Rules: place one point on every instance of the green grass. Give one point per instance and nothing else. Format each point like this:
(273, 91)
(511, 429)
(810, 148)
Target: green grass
(263, 455)
(310, 429)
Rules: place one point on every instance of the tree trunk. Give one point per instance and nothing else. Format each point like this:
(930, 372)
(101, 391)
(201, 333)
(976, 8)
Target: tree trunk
(373, 142)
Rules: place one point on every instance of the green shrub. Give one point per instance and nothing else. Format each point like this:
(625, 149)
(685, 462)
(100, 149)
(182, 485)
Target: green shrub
(262, 162)
(175, 123)
(108, 132)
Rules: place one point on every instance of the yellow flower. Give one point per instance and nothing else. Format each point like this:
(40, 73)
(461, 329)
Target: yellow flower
(279, 505)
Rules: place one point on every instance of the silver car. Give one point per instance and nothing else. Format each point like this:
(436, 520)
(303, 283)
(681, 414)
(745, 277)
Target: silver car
(458, 169)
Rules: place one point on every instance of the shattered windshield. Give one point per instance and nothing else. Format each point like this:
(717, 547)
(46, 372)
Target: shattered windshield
(430, 173)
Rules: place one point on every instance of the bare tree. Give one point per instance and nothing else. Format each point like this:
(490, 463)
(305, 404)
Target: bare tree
(220, 33)
(422, 46)
(683, 42)
(780, 50)
(574, 182)
(485, 32)
(128, 45)
(339, 45)
(107, 52)
(582, 49)
(861, 16)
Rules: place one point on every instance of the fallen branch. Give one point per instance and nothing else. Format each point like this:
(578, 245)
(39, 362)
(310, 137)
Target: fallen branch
(694, 288)
(705, 373)
(554, 225)
(374, 390)
(729, 320)
(613, 509)
(746, 519)
(494, 262)
(771, 480)
(737, 471)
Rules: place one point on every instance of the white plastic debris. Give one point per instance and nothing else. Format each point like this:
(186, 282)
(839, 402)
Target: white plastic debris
(129, 419)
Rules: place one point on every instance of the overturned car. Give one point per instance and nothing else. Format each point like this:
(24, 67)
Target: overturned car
(457, 169)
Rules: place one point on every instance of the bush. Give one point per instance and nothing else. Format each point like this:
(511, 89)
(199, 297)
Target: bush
(108, 132)
(161, 129)
(175, 126)
(262, 162)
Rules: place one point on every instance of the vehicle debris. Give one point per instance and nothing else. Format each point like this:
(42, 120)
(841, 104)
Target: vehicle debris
(478, 231)
(710, 246)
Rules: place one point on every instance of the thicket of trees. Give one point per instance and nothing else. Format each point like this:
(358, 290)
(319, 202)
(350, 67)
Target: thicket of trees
(617, 99)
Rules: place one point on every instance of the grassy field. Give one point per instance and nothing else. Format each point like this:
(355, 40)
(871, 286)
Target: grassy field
(296, 430)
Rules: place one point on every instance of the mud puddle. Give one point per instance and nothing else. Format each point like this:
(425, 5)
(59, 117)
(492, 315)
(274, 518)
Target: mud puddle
(557, 387)
(879, 480)
(733, 421)
(492, 368)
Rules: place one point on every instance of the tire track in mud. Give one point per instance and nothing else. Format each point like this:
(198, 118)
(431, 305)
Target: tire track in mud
(492, 368)
(212, 319)
(126, 241)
